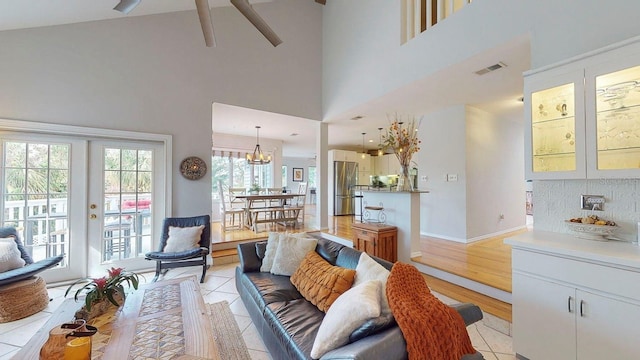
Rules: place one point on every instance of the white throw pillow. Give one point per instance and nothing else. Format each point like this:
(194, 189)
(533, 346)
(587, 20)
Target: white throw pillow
(347, 313)
(368, 269)
(9, 255)
(270, 253)
(290, 253)
(183, 238)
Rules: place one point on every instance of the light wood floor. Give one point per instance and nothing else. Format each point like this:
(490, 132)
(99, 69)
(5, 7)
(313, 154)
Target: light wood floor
(486, 261)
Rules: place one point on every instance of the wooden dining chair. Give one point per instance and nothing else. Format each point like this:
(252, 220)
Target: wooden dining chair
(228, 210)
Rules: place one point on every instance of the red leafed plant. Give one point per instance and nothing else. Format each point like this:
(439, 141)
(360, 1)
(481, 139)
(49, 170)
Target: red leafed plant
(97, 289)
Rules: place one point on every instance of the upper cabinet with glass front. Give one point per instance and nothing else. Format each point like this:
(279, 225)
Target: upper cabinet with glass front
(584, 116)
(613, 119)
(555, 129)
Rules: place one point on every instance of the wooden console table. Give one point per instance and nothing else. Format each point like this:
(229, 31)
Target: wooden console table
(167, 319)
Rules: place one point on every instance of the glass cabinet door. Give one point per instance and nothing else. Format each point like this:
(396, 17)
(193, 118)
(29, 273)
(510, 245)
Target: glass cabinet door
(618, 119)
(613, 118)
(556, 129)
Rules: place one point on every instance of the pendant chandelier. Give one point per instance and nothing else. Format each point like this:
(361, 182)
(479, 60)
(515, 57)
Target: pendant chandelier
(363, 152)
(258, 158)
(380, 151)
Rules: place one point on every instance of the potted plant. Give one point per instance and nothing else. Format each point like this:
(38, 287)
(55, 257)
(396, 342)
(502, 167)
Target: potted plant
(101, 293)
(254, 189)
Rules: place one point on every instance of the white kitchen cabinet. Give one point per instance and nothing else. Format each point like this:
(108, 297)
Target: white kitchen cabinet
(386, 165)
(583, 116)
(574, 298)
(364, 163)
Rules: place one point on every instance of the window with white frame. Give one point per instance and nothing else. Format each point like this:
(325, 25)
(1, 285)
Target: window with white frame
(232, 169)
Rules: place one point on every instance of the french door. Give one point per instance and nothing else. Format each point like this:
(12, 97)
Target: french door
(125, 212)
(100, 203)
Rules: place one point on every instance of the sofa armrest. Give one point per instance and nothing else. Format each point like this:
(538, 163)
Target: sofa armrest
(249, 260)
(470, 313)
(389, 344)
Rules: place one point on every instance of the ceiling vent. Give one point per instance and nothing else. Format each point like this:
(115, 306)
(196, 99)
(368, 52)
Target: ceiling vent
(491, 68)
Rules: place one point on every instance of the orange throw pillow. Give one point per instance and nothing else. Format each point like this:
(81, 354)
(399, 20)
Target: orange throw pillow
(431, 329)
(320, 282)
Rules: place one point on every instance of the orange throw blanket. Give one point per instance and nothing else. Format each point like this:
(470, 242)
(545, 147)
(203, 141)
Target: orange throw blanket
(432, 329)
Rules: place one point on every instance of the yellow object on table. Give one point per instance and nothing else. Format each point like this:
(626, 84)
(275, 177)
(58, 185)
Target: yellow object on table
(78, 349)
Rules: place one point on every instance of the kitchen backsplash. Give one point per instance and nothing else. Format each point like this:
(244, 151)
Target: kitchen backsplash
(555, 201)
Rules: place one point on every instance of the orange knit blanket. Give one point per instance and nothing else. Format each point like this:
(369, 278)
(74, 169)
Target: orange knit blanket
(432, 329)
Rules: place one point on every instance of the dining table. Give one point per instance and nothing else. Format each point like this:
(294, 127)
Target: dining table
(254, 202)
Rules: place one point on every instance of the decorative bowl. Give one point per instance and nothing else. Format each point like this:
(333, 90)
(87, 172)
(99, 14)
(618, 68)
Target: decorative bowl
(591, 231)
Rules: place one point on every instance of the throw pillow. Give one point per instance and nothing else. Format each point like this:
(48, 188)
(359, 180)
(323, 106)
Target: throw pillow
(320, 282)
(183, 238)
(270, 253)
(9, 255)
(431, 329)
(290, 253)
(368, 269)
(349, 311)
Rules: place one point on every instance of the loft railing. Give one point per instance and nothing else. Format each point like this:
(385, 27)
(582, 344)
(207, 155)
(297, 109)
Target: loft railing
(420, 15)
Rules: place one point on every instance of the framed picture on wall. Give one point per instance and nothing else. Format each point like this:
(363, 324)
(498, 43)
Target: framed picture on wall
(298, 174)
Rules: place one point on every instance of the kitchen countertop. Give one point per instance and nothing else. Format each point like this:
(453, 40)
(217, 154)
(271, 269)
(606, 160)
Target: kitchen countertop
(611, 252)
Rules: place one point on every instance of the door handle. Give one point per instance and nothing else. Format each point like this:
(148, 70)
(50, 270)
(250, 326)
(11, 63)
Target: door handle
(93, 216)
(581, 308)
(569, 301)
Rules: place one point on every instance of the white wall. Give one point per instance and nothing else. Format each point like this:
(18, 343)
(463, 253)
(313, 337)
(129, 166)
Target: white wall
(154, 74)
(362, 37)
(442, 151)
(495, 173)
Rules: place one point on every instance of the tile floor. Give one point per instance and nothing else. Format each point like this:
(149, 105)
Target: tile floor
(220, 285)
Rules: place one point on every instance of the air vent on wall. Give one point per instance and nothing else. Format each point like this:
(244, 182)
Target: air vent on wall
(491, 68)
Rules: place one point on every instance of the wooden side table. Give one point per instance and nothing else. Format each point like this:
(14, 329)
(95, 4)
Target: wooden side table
(376, 239)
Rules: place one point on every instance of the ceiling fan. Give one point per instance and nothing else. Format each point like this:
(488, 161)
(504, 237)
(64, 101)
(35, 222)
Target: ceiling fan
(204, 14)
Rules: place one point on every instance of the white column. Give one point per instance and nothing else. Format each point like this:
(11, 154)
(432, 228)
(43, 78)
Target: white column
(322, 166)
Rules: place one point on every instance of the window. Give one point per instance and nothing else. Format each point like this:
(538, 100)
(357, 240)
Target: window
(284, 176)
(232, 169)
(312, 177)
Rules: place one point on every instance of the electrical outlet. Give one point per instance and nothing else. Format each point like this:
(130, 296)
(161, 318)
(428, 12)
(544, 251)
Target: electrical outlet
(424, 178)
(592, 202)
(452, 177)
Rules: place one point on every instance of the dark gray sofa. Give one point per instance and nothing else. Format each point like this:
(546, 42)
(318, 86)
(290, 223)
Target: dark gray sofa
(288, 323)
(31, 268)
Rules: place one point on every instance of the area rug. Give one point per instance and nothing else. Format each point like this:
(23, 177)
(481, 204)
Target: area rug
(228, 336)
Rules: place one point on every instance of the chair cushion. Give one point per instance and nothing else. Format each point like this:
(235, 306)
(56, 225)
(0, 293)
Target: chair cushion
(320, 282)
(9, 255)
(180, 255)
(28, 271)
(183, 238)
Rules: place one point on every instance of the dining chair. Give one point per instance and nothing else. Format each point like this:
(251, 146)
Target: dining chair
(179, 248)
(227, 209)
(300, 200)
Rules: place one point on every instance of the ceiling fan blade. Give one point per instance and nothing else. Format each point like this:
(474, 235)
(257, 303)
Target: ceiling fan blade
(204, 13)
(247, 10)
(323, 2)
(125, 6)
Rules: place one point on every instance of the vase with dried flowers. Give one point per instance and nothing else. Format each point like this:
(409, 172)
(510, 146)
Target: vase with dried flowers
(102, 293)
(402, 138)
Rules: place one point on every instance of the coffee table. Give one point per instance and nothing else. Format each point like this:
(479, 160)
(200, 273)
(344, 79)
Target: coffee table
(167, 319)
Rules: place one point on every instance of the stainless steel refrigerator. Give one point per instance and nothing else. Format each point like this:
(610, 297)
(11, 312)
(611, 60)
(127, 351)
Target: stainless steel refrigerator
(345, 178)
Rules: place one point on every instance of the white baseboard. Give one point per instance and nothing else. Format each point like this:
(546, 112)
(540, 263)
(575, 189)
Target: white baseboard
(478, 238)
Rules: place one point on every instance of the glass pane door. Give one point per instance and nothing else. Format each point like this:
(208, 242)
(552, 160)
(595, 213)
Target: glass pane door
(36, 200)
(122, 208)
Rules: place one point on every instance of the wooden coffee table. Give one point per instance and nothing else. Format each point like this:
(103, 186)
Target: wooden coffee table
(167, 319)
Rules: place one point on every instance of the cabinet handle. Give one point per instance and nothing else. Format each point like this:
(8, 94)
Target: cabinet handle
(569, 301)
(581, 308)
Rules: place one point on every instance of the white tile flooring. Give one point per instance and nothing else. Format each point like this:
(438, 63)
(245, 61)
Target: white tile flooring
(220, 285)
